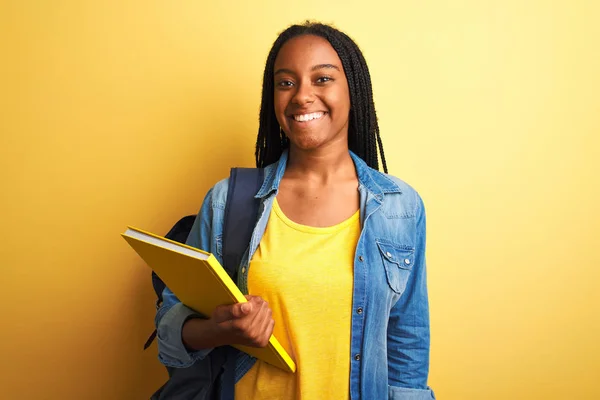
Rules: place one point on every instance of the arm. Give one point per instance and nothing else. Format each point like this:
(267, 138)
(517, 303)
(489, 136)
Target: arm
(408, 329)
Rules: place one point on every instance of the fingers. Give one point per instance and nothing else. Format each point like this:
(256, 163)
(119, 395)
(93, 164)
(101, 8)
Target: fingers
(270, 328)
(250, 323)
(262, 325)
(266, 330)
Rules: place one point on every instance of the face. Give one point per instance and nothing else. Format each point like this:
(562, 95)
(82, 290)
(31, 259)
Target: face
(312, 99)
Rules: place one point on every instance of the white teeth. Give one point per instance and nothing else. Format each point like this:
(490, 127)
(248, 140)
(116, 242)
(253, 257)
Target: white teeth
(308, 117)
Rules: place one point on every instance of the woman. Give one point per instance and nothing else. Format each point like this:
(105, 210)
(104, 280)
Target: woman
(337, 254)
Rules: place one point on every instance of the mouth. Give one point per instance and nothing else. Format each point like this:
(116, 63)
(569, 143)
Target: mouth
(307, 117)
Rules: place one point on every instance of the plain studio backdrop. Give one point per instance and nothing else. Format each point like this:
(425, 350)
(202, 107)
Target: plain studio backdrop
(119, 113)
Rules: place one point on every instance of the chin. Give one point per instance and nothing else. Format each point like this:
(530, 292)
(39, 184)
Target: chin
(307, 142)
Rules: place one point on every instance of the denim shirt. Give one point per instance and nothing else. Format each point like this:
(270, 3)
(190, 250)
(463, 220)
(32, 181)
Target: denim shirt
(389, 356)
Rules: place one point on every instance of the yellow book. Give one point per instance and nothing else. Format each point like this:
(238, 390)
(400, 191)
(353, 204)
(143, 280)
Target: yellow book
(200, 282)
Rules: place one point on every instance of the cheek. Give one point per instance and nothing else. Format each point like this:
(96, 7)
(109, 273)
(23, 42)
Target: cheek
(340, 96)
(279, 105)
(341, 105)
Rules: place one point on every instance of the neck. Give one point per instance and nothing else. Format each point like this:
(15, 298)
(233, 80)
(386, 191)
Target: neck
(322, 165)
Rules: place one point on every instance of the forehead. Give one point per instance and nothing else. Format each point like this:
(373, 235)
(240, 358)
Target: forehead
(303, 52)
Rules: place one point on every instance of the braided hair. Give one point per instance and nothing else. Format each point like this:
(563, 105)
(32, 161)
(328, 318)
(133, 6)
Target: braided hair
(363, 130)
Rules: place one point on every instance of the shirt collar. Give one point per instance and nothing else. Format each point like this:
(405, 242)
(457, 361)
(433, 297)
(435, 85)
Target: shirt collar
(374, 181)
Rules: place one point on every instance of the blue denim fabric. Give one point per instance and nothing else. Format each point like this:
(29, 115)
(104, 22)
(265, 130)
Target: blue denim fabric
(389, 356)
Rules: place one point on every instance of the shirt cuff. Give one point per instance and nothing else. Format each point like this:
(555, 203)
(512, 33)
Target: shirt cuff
(402, 393)
(171, 350)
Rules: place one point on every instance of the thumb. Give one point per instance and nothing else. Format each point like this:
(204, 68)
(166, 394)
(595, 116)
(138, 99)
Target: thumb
(241, 309)
(228, 312)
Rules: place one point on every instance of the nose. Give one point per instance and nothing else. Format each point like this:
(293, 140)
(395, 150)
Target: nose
(304, 93)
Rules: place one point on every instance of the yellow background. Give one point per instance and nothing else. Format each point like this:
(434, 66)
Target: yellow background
(126, 112)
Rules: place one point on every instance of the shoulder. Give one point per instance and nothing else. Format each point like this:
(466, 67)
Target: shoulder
(218, 193)
(216, 197)
(406, 189)
(400, 195)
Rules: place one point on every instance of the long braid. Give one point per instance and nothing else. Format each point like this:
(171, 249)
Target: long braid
(364, 138)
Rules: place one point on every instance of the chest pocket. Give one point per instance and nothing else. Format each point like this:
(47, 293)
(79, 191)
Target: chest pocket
(398, 262)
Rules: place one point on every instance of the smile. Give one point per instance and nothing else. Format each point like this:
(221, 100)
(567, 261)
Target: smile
(308, 117)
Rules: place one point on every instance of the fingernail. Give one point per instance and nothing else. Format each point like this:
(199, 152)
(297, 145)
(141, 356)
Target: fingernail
(245, 308)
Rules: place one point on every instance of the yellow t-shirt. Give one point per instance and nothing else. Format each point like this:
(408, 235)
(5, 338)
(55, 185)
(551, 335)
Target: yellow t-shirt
(306, 276)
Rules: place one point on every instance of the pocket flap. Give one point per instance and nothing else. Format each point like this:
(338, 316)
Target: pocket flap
(402, 256)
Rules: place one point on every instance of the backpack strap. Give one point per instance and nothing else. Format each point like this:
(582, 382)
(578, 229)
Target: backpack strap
(241, 213)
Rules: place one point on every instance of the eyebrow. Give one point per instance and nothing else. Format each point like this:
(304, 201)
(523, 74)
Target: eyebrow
(314, 68)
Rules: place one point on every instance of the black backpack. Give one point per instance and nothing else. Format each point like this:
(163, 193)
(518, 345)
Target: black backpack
(212, 378)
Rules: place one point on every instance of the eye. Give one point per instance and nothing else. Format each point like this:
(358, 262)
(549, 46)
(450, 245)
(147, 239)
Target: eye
(324, 79)
(285, 83)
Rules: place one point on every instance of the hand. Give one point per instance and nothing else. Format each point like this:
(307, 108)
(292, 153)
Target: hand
(248, 324)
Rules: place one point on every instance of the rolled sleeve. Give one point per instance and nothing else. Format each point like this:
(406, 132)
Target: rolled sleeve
(171, 350)
(402, 393)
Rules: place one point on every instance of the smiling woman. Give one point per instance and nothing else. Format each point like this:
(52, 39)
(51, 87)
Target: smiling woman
(312, 100)
(343, 53)
(337, 257)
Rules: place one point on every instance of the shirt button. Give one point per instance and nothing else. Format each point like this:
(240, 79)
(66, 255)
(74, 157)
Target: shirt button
(357, 357)
(389, 255)
(359, 310)
(361, 258)
(406, 261)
